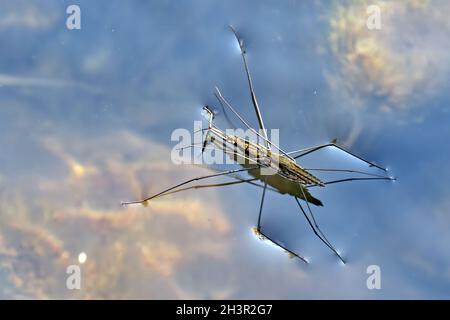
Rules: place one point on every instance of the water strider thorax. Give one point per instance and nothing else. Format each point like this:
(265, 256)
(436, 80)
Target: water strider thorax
(272, 168)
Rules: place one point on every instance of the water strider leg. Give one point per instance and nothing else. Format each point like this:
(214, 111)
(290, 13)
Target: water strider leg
(333, 143)
(189, 181)
(223, 184)
(316, 228)
(203, 186)
(261, 206)
(225, 102)
(264, 236)
(345, 170)
(355, 179)
(250, 85)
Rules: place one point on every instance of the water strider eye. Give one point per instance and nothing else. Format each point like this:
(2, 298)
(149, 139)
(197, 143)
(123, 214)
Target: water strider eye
(206, 112)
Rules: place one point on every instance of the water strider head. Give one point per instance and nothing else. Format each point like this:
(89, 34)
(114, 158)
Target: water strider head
(209, 114)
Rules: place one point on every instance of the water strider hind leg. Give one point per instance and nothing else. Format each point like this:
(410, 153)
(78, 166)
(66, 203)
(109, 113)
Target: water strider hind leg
(316, 229)
(258, 231)
(355, 179)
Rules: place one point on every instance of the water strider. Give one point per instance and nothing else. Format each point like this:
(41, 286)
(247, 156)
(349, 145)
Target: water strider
(269, 166)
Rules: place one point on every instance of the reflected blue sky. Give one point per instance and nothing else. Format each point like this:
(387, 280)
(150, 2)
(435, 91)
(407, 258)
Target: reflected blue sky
(86, 117)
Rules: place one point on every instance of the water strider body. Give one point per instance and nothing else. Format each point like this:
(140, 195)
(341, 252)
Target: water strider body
(286, 176)
(269, 167)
